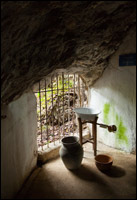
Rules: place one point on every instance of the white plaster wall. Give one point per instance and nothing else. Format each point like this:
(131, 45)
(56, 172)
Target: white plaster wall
(18, 143)
(116, 90)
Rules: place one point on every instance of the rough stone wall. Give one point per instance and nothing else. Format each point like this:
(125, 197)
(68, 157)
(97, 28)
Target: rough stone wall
(38, 37)
(115, 95)
(18, 143)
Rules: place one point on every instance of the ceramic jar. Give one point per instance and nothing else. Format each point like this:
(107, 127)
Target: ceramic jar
(71, 152)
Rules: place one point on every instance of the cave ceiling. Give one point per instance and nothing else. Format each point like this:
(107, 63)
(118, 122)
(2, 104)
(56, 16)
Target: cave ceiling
(40, 37)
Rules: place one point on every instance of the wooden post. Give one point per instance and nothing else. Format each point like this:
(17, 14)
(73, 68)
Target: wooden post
(68, 107)
(94, 132)
(80, 130)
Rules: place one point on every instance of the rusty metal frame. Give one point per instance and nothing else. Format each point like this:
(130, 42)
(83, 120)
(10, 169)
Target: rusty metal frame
(76, 80)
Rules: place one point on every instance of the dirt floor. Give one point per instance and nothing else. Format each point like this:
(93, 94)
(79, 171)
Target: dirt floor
(54, 181)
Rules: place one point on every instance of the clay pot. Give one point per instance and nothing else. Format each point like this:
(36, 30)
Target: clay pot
(103, 162)
(71, 152)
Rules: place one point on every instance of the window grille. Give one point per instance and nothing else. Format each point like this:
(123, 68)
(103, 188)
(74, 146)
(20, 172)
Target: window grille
(55, 103)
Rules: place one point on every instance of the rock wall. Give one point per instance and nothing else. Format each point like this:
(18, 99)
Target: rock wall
(18, 143)
(39, 37)
(115, 95)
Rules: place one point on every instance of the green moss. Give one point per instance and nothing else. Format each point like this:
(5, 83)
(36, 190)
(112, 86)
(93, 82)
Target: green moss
(121, 132)
(106, 112)
(117, 118)
(121, 129)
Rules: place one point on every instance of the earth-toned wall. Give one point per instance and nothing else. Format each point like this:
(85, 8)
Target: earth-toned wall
(38, 37)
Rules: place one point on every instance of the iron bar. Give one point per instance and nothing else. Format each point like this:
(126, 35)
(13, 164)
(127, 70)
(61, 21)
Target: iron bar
(80, 130)
(40, 115)
(58, 89)
(74, 107)
(63, 99)
(79, 91)
(46, 114)
(82, 99)
(69, 125)
(78, 87)
(52, 110)
(58, 112)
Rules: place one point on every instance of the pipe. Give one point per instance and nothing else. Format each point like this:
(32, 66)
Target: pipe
(111, 128)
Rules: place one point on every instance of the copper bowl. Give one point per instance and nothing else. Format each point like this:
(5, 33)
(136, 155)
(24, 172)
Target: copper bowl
(103, 162)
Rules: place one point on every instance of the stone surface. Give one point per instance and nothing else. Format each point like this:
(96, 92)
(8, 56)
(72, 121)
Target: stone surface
(54, 181)
(38, 38)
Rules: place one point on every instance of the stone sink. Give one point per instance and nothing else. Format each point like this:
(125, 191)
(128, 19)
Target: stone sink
(86, 113)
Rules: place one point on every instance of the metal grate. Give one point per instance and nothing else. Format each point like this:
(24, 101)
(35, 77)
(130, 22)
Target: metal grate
(55, 103)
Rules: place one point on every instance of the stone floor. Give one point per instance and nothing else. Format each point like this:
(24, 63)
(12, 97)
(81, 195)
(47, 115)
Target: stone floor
(54, 181)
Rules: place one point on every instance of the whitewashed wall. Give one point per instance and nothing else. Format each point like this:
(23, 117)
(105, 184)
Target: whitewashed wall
(18, 144)
(115, 95)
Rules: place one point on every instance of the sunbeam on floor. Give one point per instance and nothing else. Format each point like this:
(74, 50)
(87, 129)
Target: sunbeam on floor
(54, 181)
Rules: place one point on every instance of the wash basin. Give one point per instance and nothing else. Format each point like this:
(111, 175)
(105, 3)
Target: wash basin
(86, 113)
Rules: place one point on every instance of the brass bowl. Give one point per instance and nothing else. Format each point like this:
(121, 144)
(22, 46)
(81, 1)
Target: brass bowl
(103, 162)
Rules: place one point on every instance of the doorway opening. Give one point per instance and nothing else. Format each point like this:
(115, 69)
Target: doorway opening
(55, 103)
